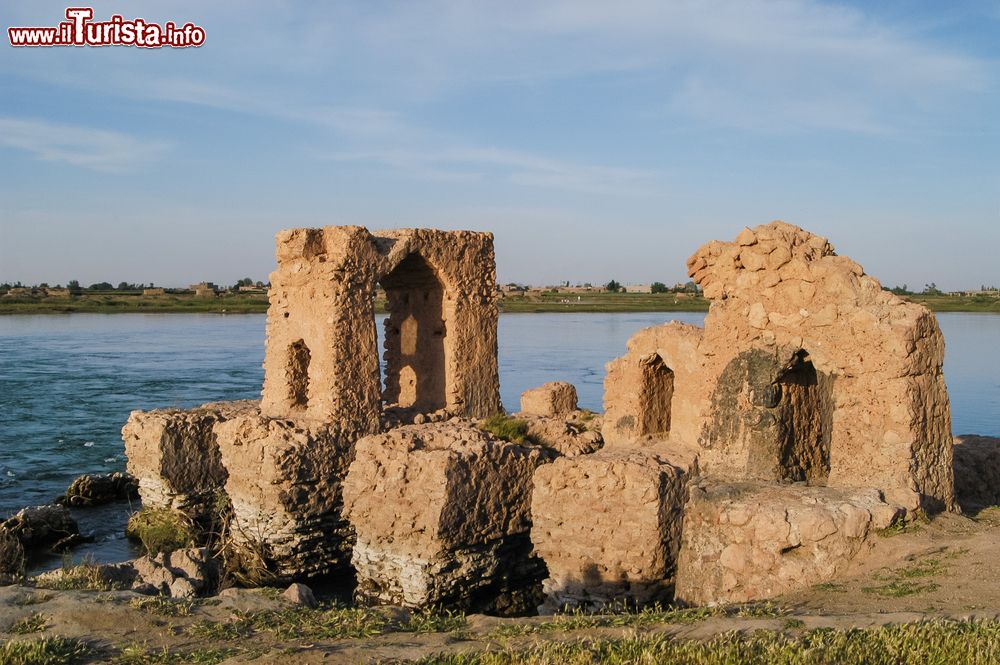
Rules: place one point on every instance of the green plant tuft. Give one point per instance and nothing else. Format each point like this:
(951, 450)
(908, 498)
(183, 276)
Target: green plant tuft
(958, 643)
(85, 576)
(160, 530)
(506, 427)
(167, 607)
(435, 621)
(33, 623)
(44, 651)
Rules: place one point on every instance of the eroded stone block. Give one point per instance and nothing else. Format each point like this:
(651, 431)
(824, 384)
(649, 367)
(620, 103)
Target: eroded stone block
(608, 527)
(442, 517)
(576, 433)
(174, 455)
(751, 541)
(556, 398)
(284, 483)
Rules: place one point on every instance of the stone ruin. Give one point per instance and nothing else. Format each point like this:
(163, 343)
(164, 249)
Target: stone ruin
(733, 462)
(811, 409)
(282, 462)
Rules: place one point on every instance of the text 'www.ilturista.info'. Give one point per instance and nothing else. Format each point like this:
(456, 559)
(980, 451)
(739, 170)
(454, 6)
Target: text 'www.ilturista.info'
(80, 30)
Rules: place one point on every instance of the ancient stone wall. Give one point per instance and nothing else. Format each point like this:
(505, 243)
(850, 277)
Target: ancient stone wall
(748, 541)
(806, 370)
(808, 412)
(321, 360)
(284, 483)
(282, 464)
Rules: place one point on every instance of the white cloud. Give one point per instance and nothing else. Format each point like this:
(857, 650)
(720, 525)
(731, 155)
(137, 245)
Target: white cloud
(747, 64)
(523, 168)
(96, 149)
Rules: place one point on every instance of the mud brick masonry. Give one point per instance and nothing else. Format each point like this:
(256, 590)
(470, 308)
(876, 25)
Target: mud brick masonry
(733, 462)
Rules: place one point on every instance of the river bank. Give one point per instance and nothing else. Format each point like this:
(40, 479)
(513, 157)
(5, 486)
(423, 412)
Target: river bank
(533, 302)
(926, 593)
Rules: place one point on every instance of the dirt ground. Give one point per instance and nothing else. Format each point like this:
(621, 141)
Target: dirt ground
(945, 568)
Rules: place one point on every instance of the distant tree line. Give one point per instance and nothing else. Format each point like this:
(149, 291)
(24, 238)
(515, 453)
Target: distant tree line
(76, 288)
(904, 290)
(614, 286)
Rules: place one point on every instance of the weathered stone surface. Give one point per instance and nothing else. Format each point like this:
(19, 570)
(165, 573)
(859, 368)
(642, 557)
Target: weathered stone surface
(608, 527)
(321, 361)
(99, 489)
(750, 541)
(41, 526)
(442, 517)
(299, 594)
(281, 464)
(174, 454)
(181, 574)
(284, 484)
(805, 370)
(639, 390)
(977, 471)
(553, 399)
(577, 433)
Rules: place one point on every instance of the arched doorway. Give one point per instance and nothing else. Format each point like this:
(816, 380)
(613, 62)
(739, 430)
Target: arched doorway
(777, 408)
(415, 331)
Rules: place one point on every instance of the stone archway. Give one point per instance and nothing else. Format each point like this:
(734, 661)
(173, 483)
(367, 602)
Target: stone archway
(778, 409)
(415, 332)
(804, 422)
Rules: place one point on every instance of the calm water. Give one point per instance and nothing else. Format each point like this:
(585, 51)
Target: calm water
(68, 383)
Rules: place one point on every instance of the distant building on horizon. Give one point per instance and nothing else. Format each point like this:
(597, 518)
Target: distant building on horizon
(638, 288)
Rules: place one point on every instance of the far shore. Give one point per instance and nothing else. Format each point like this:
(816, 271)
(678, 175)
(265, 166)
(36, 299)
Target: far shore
(534, 302)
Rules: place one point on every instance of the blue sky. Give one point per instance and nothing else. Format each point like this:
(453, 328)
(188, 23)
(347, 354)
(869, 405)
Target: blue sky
(597, 140)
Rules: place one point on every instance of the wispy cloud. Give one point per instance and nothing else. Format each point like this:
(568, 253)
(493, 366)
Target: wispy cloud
(517, 167)
(96, 149)
(746, 64)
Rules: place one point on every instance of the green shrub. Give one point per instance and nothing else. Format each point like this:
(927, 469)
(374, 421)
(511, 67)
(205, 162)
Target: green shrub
(160, 530)
(505, 427)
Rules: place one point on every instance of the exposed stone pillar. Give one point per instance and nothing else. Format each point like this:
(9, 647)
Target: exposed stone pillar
(321, 360)
(608, 526)
(441, 513)
(284, 484)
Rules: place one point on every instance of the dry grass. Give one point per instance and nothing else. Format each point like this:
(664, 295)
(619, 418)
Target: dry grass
(33, 623)
(958, 643)
(44, 651)
(11, 558)
(85, 576)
